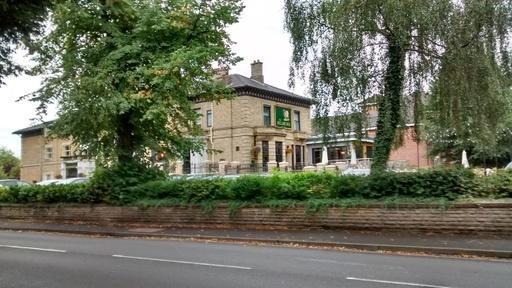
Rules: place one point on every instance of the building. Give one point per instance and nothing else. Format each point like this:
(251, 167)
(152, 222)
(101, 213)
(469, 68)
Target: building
(340, 147)
(259, 128)
(44, 158)
(262, 124)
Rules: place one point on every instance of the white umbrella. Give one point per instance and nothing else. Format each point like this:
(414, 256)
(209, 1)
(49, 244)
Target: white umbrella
(325, 156)
(353, 156)
(465, 162)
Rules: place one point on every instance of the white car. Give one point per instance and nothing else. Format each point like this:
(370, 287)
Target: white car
(12, 182)
(509, 166)
(48, 182)
(64, 181)
(356, 171)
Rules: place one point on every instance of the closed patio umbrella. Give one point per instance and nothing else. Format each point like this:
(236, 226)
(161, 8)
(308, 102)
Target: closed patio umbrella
(465, 162)
(325, 156)
(353, 156)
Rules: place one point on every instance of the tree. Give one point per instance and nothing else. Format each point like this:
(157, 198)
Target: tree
(352, 49)
(125, 73)
(21, 21)
(9, 164)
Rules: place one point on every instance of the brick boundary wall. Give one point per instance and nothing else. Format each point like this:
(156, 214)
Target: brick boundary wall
(493, 219)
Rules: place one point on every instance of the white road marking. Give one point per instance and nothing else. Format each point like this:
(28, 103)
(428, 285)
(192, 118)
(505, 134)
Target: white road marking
(331, 261)
(182, 262)
(33, 248)
(396, 283)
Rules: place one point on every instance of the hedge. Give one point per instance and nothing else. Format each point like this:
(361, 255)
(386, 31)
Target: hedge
(446, 183)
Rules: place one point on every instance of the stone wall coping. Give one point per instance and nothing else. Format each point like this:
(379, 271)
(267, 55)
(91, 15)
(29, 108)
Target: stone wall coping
(224, 205)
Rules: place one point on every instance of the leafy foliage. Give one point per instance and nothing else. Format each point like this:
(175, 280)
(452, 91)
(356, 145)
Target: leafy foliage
(353, 50)
(125, 73)
(71, 193)
(111, 184)
(497, 185)
(21, 21)
(9, 164)
(315, 190)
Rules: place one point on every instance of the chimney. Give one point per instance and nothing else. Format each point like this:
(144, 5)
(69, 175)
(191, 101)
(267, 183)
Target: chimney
(257, 71)
(222, 74)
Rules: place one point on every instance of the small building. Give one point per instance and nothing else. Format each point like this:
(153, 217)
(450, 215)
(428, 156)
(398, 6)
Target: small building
(44, 158)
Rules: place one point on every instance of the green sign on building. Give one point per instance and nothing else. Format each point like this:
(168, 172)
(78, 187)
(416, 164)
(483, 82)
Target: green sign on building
(283, 117)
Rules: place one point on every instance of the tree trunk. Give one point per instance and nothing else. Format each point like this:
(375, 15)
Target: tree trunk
(126, 141)
(389, 107)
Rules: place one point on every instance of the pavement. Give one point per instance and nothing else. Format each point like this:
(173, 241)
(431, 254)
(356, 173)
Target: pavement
(35, 259)
(402, 242)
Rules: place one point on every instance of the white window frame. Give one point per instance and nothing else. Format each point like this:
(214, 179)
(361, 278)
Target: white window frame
(296, 120)
(46, 152)
(66, 152)
(209, 118)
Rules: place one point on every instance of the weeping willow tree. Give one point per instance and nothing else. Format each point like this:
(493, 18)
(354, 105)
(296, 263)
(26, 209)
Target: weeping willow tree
(470, 104)
(351, 50)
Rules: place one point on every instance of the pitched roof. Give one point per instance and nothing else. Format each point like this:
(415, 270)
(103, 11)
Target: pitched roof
(247, 86)
(34, 128)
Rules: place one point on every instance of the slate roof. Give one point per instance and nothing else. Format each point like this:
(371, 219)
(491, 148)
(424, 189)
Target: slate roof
(245, 86)
(34, 129)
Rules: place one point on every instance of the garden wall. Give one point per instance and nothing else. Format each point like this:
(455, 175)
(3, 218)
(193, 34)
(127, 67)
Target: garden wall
(462, 218)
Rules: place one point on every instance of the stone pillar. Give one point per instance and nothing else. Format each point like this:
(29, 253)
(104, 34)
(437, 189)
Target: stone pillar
(272, 165)
(222, 167)
(179, 168)
(283, 166)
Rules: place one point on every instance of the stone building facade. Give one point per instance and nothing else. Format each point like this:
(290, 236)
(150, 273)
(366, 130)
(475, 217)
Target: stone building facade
(261, 125)
(44, 158)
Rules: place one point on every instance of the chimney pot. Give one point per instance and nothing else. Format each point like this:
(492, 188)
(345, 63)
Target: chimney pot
(257, 71)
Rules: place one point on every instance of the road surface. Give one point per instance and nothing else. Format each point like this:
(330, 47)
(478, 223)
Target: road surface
(47, 260)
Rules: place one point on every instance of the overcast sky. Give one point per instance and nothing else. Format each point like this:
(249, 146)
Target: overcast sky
(258, 35)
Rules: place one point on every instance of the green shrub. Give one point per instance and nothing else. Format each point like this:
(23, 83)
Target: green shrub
(197, 190)
(498, 185)
(247, 188)
(347, 186)
(70, 193)
(112, 185)
(445, 183)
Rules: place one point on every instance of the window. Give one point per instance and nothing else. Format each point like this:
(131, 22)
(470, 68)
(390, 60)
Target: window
(267, 120)
(209, 118)
(199, 116)
(296, 116)
(337, 153)
(48, 153)
(369, 152)
(317, 155)
(66, 151)
(279, 152)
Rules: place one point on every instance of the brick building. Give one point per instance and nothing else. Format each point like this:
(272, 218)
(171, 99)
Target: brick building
(411, 154)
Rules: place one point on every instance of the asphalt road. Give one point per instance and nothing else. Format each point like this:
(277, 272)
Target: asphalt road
(45, 260)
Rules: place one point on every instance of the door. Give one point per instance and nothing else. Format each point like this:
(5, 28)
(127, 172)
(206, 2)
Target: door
(298, 157)
(279, 152)
(265, 155)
